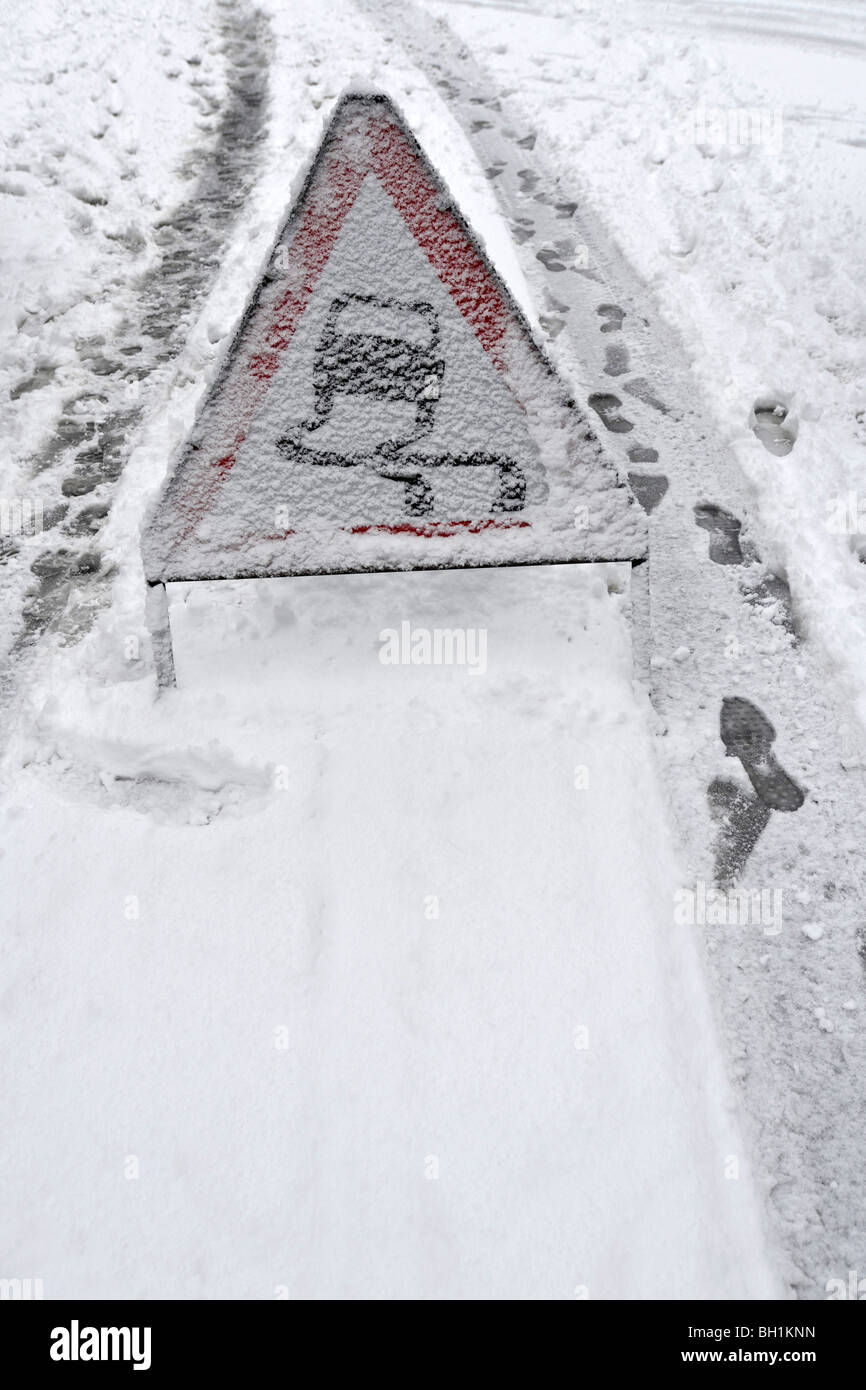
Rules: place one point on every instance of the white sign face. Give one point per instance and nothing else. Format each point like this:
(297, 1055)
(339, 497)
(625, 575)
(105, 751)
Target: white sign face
(384, 405)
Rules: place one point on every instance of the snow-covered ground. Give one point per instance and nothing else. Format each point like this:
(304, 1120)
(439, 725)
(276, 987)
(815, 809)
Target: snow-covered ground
(368, 989)
(752, 245)
(326, 978)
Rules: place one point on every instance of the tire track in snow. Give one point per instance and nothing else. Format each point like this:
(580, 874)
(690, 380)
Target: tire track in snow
(67, 581)
(835, 26)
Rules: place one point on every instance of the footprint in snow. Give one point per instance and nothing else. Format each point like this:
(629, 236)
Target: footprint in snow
(649, 489)
(606, 407)
(613, 316)
(41, 376)
(748, 735)
(552, 326)
(550, 259)
(724, 529)
(769, 420)
(771, 593)
(554, 304)
(642, 453)
(742, 820)
(616, 359)
(641, 388)
(88, 520)
(767, 591)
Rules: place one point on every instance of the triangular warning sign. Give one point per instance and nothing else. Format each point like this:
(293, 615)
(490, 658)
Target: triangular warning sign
(384, 405)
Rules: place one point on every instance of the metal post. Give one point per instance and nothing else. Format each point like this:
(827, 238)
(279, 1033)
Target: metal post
(156, 612)
(641, 630)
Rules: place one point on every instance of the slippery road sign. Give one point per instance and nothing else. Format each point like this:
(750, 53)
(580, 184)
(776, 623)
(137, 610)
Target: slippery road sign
(384, 404)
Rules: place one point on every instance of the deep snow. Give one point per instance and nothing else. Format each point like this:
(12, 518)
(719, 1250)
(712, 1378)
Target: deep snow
(360, 984)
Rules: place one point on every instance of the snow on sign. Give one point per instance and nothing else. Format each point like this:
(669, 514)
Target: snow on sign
(384, 405)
